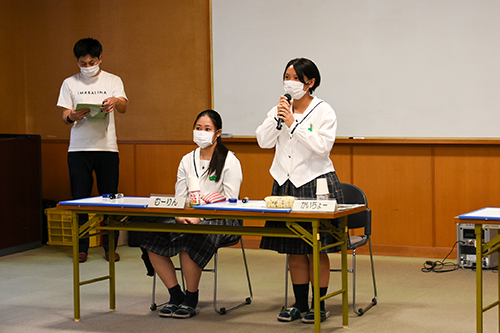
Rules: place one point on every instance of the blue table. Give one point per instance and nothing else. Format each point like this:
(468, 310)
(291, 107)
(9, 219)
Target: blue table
(489, 215)
(130, 206)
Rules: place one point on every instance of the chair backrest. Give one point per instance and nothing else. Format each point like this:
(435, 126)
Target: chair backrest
(354, 195)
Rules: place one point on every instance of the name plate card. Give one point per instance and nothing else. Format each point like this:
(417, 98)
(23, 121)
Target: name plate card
(159, 201)
(315, 206)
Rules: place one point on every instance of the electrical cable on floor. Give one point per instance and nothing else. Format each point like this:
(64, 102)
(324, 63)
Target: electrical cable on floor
(440, 266)
(493, 269)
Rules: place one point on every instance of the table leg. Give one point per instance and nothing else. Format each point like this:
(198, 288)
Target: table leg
(112, 275)
(316, 248)
(345, 286)
(479, 278)
(76, 266)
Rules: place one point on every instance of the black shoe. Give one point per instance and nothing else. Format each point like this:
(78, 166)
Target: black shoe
(82, 257)
(117, 256)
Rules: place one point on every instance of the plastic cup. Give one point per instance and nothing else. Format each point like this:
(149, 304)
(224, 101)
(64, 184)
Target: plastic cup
(321, 186)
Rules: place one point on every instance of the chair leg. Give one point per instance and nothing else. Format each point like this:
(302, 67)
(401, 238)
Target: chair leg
(287, 269)
(354, 281)
(155, 306)
(215, 285)
(361, 311)
(153, 300)
(247, 301)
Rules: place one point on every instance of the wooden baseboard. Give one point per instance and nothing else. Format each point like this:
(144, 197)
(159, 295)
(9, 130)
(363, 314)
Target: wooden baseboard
(410, 251)
(384, 250)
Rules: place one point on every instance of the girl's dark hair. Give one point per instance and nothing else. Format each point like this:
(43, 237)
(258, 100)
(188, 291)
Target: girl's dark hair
(305, 67)
(87, 46)
(220, 153)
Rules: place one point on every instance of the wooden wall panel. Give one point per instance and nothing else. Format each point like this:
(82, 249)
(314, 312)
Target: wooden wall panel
(466, 180)
(55, 174)
(12, 85)
(127, 169)
(342, 162)
(156, 167)
(255, 164)
(398, 184)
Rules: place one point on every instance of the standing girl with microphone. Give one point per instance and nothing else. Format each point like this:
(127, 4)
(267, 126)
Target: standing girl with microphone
(302, 155)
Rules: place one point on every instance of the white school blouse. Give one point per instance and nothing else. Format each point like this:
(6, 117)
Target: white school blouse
(192, 166)
(302, 150)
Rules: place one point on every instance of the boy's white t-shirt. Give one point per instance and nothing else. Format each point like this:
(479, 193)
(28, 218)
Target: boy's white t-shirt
(91, 134)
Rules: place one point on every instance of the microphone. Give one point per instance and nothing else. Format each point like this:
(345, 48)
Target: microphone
(279, 126)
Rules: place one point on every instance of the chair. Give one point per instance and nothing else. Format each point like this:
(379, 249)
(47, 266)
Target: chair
(361, 220)
(222, 310)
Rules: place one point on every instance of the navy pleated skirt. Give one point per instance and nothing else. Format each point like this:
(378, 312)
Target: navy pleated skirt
(308, 190)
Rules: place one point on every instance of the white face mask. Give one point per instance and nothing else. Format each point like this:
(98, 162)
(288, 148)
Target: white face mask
(90, 71)
(294, 88)
(203, 138)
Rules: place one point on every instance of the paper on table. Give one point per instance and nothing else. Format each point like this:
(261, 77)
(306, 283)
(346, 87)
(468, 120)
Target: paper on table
(489, 213)
(141, 202)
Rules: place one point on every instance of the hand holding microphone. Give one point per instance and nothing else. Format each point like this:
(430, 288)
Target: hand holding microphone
(279, 126)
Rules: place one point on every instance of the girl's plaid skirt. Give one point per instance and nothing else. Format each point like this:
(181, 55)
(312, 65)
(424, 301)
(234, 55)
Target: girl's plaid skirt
(308, 190)
(200, 247)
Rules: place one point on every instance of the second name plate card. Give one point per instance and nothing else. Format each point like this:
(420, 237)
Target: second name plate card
(163, 201)
(315, 206)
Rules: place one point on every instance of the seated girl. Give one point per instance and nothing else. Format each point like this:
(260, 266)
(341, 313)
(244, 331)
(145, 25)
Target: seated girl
(218, 170)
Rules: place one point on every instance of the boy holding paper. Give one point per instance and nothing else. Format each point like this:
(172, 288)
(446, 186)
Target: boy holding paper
(93, 146)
